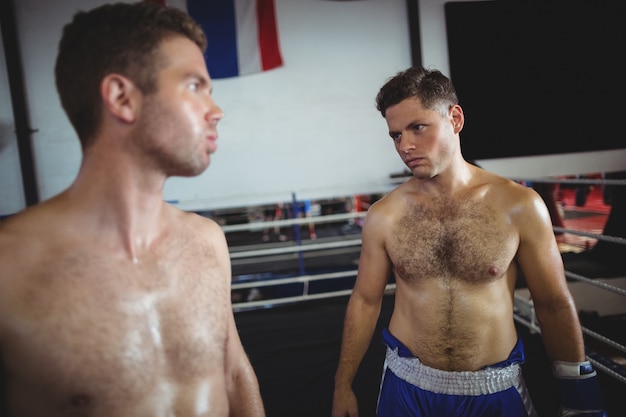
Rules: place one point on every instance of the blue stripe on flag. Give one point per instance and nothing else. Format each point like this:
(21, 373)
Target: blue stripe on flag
(218, 20)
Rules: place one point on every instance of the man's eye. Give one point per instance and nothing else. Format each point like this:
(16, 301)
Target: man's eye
(395, 136)
(194, 86)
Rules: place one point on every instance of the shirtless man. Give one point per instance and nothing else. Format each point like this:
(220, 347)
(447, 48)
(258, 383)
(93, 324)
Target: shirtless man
(453, 235)
(114, 303)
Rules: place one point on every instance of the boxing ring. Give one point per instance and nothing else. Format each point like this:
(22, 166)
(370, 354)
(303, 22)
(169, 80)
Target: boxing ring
(295, 252)
(268, 275)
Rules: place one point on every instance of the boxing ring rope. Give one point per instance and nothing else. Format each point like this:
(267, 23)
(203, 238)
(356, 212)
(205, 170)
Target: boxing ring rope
(305, 280)
(255, 226)
(595, 283)
(523, 309)
(295, 249)
(571, 181)
(612, 239)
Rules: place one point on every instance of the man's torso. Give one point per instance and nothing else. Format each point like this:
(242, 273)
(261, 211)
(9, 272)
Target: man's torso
(85, 330)
(453, 265)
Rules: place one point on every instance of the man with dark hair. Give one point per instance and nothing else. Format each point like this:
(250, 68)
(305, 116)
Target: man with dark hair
(113, 302)
(453, 236)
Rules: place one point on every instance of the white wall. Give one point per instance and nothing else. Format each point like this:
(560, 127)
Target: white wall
(433, 33)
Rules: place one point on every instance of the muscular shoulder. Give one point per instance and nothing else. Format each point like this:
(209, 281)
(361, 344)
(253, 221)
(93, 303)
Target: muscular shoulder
(197, 223)
(518, 202)
(203, 233)
(19, 223)
(21, 236)
(385, 211)
(500, 190)
(383, 217)
(196, 227)
(21, 252)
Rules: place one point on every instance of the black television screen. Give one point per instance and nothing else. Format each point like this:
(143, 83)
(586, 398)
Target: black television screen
(539, 77)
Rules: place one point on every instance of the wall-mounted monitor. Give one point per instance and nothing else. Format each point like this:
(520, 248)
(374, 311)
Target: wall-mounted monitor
(539, 77)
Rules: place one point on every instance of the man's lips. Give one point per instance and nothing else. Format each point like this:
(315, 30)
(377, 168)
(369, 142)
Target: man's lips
(212, 140)
(413, 161)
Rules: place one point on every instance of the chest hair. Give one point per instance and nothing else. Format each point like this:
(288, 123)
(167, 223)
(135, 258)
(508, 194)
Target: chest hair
(450, 241)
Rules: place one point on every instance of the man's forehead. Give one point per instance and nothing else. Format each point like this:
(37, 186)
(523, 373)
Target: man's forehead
(179, 51)
(411, 105)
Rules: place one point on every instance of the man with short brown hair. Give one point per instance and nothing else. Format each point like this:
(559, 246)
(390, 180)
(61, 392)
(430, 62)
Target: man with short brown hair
(113, 302)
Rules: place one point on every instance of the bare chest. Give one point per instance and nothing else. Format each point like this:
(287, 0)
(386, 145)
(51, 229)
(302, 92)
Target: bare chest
(90, 328)
(470, 243)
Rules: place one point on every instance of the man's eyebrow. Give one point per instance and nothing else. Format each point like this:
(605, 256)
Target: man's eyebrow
(201, 79)
(409, 125)
(196, 75)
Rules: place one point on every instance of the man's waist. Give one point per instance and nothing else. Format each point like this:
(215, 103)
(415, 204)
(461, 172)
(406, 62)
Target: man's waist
(482, 382)
(460, 354)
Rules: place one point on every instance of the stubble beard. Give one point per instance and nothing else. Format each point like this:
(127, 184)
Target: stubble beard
(158, 135)
(422, 172)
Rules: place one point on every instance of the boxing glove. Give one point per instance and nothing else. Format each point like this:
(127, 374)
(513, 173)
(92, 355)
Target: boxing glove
(579, 389)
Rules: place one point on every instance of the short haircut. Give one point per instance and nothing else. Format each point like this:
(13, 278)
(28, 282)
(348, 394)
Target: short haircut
(434, 89)
(121, 38)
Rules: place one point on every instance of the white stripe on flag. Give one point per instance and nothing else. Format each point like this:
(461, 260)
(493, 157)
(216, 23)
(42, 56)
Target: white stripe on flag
(247, 37)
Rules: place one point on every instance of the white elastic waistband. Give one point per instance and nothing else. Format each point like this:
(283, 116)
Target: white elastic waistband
(482, 382)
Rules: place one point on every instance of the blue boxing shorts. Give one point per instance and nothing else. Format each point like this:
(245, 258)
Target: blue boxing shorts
(412, 389)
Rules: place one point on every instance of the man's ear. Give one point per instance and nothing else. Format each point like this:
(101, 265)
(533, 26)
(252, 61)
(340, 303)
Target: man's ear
(458, 118)
(121, 97)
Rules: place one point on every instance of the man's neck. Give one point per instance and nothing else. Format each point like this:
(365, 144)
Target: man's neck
(120, 201)
(454, 178)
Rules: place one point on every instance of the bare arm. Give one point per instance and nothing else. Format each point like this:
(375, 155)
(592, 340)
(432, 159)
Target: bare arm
(244, 396)
(362, 313)
(542, 266)
(242, 386)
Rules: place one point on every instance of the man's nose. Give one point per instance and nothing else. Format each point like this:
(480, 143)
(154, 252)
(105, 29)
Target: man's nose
(214, 113)
(406, 146)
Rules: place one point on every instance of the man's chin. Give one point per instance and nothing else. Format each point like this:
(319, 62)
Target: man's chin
(421, 174)
(192, 171)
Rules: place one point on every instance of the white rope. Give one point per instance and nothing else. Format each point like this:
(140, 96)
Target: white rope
(330, 218)
(291, 280)
(608, 370)
(295, 248)
(571, 181)
(268, 303)
(604, 339)
(595, 283)
(612, 239)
